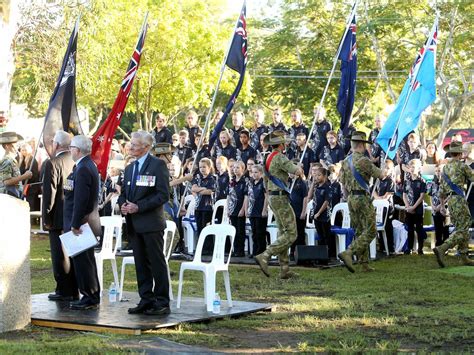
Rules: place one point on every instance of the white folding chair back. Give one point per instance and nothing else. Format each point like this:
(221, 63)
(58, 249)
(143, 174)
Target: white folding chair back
(342, 207)
(310, 229)
(218, 263)
(112, 227)
(189, 226)
(222, 203)
(381, 215)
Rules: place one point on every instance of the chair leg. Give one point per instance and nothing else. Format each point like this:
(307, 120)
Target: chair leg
(115, 272)
(180, 287)
(169, 282)
(205, 288)
(122, 278)
(384, 236)
(373, 248)
(227, 288)
(210, 289)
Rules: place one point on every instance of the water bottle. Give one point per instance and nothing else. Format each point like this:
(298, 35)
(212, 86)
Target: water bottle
(216, 305)
(112, 293)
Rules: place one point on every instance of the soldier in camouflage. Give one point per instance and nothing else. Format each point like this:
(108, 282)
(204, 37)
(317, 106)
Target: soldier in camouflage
(455, 175)
(359, 200)
(277, 168)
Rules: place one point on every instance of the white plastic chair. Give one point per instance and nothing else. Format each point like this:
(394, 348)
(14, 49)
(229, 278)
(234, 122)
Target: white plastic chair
(310, 229)
(381, 215)
(168, 236)
(346, 223)
(222, 203)
(189, 224)
(112, 227)
(218, 263)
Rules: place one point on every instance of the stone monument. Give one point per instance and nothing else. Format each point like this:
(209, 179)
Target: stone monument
(15, 278)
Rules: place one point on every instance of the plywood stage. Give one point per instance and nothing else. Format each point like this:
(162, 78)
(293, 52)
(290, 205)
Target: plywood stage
(114, 318)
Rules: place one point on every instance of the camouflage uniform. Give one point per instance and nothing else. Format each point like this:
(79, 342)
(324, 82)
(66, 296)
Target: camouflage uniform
(459, 173)
(285, 218)
(8, 169)
(360, 205)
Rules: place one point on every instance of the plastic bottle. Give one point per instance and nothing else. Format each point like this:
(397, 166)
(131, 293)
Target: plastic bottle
(216, 305)
(112, 293)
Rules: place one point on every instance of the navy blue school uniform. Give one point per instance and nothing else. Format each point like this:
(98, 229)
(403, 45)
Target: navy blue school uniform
(204, 152)
(319, 136)
(229, 151)
(204, 203)
(222, 189)
(246, 154)
(336, 193)
(295, 153)
(386, 185)
(330, 155)
(237, 192)
(413, 188)
(163, 136)
(183, 153)
(192, 134)
(441, 231)
(298, 194)
(293, 132)
(321, 194)
(235, 133)
(258, 223)
(278, 127)
(255, 136)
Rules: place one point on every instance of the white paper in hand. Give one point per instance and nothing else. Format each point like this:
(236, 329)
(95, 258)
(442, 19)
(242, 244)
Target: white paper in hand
(76, 244)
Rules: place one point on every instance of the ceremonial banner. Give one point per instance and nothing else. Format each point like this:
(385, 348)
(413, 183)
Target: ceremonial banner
(62, 110)
(418, 93)
(102, 139)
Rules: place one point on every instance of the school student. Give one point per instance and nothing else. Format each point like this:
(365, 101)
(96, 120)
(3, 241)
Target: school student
(298, 201)
(441, 230)
(257, 209)
(237, 201)
(413, 194)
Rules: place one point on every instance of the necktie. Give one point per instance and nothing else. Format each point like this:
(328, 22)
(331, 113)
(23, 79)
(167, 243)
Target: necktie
(133, 183)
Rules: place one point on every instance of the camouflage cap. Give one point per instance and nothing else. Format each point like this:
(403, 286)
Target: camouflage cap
(163, 149)
(10, 137)
(275, 137)
(359, 136)
(455, 147)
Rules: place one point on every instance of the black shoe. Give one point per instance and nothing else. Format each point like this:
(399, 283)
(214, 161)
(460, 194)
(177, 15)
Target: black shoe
(81, 306)
(407, 252)
(158, 311)
(420, 252)
(140, 308)
(57, 297)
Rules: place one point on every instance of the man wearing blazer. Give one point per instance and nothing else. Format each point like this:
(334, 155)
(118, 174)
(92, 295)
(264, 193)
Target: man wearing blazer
(145, 190)
(81, 194)
(56, 170)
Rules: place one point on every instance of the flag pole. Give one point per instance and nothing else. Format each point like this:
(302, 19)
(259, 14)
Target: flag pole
(206, 124)
(336, 57)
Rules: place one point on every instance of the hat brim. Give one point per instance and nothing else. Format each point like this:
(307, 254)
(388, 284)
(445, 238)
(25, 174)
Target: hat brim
(12, 139)
(362, 141)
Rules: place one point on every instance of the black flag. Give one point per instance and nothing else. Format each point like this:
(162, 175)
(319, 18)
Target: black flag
(62, 110)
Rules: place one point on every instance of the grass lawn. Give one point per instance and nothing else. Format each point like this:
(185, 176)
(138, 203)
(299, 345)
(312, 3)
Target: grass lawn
(407, 304)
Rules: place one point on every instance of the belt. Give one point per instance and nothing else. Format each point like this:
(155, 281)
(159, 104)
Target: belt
(278, 193)
(359, 193)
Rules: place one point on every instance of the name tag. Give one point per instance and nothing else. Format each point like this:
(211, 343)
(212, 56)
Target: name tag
(146, 180)
(69, 186)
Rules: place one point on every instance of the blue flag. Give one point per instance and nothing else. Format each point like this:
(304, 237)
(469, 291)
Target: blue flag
(236, 60)
(62, 111)
(347, 90)
(418, 93)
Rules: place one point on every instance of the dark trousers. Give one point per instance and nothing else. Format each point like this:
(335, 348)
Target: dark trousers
(239, 243)
(65, 282)
(326, 237)
(414, 223)
(300, 234)
(441, 231)
(259, 234)
(150, 265)
(202, 219)
(85, 270)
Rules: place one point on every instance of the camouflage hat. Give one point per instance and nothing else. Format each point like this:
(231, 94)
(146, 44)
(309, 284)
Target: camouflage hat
(10, 137)
(275, 137)
(359, 136)
(455, 147)
(163, 149)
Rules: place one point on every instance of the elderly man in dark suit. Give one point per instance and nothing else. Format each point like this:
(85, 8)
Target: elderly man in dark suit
(56, 170)
(80, 206)
(145, 191)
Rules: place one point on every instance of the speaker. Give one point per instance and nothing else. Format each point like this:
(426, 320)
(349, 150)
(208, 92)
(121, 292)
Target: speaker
(311, 254)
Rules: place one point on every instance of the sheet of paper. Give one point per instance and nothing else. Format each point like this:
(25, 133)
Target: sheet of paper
(76, 244)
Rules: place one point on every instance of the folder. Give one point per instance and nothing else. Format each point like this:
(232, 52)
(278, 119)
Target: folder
(76, 244)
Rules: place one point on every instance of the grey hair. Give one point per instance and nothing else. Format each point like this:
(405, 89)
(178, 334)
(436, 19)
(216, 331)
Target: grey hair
(144, 137)
(83, 143)
(62, 138)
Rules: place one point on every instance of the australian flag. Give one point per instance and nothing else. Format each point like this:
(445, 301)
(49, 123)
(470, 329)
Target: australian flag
(347, 90)
(102, 139)
(236, 60)
(62, 110)
(418, 93)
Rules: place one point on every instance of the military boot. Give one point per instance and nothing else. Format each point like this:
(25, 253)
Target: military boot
(262, 261)
(285, 272)
(346, 257)
(439, 252)
(466, 261)
(366, 267)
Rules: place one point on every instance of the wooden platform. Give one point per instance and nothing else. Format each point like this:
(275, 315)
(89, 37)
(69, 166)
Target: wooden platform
(113, 317)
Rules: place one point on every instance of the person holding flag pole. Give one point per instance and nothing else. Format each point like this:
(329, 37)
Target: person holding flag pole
(350, 26)
(236, 59)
